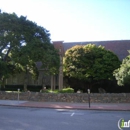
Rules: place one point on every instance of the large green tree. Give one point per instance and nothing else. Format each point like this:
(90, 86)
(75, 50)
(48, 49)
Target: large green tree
(90, 63)
(22, 44)
(122, 74)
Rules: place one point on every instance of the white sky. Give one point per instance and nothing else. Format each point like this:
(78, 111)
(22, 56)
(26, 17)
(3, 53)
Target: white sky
(76, 20)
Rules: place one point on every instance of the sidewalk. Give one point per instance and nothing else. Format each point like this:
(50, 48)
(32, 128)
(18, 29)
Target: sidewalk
(64, 105)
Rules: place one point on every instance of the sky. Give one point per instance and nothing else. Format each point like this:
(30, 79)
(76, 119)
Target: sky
(76, 20)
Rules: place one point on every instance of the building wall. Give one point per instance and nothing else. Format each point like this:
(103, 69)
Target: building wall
(59, 46)
(19, 79)
(119, 47)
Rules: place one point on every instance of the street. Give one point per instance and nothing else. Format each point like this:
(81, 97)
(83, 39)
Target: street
(23, 118)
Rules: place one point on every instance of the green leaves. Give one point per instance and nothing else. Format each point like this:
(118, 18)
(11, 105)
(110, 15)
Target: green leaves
(90, 62)
(25, 44)
(122, 74)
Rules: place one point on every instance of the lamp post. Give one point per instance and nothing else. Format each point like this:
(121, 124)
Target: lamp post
(89, 97)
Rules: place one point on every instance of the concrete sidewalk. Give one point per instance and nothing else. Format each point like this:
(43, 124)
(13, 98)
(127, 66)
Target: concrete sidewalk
(64, 105)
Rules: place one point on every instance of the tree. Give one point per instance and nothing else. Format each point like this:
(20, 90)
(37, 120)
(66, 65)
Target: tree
(90, 63)
(22, 44)
(122, 74)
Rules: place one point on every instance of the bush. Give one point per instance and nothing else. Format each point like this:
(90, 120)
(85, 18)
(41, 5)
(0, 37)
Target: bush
(45, 90)
(67, 90)
(12, 88)
(34, 88)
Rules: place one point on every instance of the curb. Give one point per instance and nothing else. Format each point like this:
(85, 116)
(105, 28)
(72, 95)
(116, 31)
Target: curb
(49, 107)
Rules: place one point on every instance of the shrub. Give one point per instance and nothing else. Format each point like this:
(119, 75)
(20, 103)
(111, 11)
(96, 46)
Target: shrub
(34, 88)
(12, 88)
(67, 90)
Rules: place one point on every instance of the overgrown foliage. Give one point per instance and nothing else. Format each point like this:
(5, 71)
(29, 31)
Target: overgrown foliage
(66, 90)
(90, 63)
(22, 44)
(122, 74)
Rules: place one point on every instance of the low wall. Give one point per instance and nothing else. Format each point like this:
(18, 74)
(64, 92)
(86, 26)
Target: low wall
(72, 97)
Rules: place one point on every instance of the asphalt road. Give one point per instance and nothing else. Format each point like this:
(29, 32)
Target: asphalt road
(20, 118)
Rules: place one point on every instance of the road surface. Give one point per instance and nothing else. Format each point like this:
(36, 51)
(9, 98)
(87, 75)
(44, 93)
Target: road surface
(21, 118)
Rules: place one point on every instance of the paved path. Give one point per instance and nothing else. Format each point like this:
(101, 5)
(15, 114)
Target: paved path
(64, 105)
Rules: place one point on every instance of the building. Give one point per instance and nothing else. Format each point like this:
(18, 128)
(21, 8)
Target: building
(119, 47)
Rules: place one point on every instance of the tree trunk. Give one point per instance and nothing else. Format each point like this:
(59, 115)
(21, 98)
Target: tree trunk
(52, 82)
(2, 82)
(43, 82)
(25, 80)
